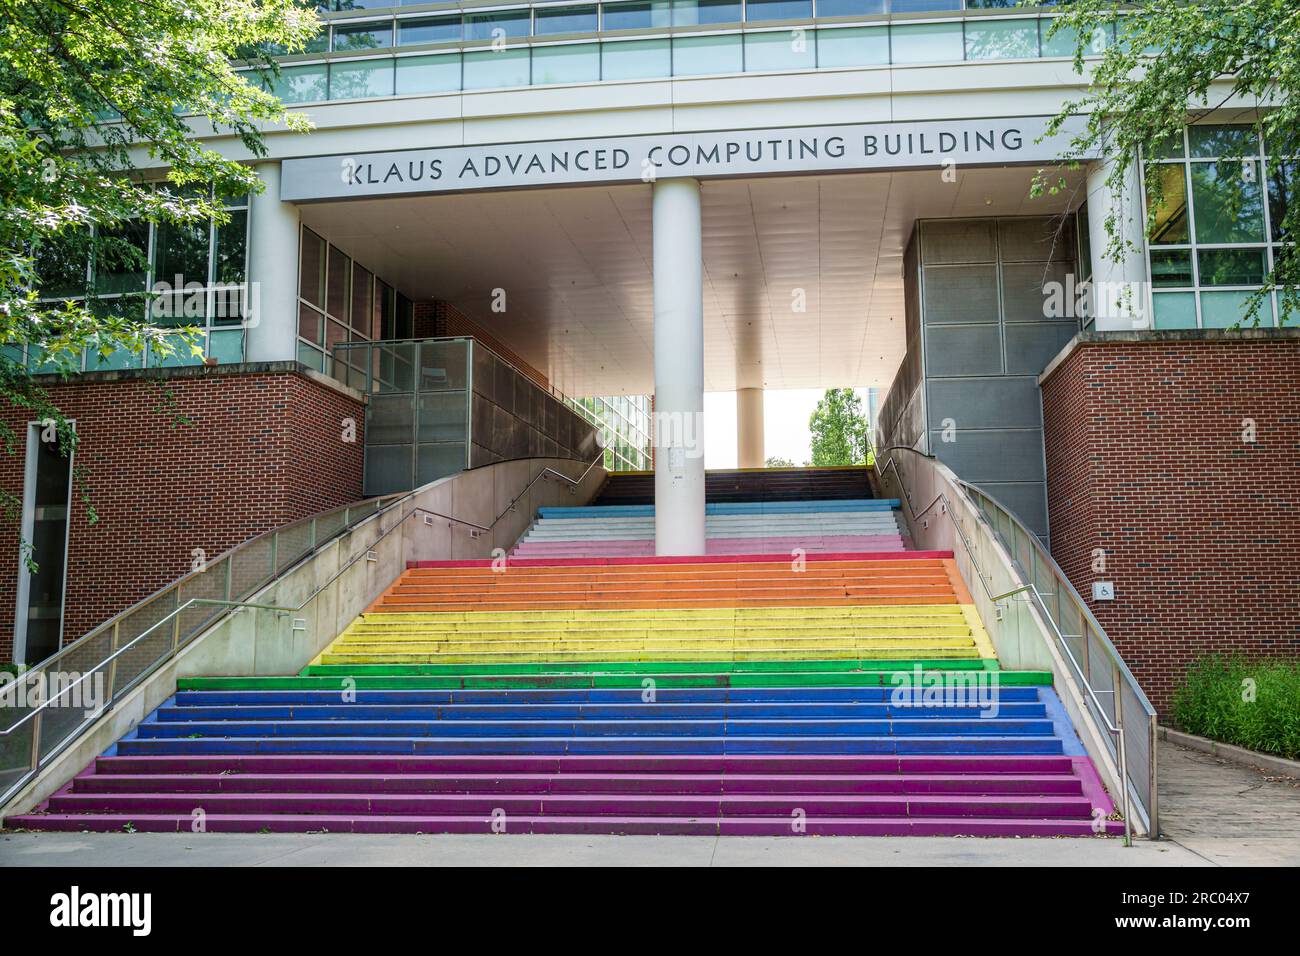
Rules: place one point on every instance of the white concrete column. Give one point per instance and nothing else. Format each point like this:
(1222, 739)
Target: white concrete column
(272, 330)
(679, 367)
(749, 428)
(1118, 297)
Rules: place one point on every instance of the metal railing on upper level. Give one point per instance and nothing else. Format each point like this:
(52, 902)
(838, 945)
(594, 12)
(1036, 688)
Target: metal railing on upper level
(1115, 701)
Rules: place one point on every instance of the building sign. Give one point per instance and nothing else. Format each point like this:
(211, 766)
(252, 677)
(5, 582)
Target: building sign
(705, 155)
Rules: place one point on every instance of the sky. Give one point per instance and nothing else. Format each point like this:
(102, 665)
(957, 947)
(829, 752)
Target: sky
(785, 425)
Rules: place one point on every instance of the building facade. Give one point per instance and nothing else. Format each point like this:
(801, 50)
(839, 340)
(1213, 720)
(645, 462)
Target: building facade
(628, 203)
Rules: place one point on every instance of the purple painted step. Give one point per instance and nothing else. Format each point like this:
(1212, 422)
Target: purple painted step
(560, 764)
(749, 826)
(1005, 783)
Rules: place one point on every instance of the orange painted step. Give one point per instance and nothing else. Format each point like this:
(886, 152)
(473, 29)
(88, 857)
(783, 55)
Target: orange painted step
(765, 584)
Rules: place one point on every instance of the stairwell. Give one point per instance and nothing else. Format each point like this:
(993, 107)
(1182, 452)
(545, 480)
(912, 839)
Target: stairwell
(589, 689)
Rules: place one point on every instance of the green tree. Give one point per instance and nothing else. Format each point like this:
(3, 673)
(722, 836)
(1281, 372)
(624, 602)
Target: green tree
(90, 92)
(839, 429)
(1175, 62)
(779, 463)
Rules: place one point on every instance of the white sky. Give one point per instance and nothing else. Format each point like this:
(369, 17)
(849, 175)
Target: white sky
(785, 425)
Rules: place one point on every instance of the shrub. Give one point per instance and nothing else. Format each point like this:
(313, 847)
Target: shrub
(1253, 704)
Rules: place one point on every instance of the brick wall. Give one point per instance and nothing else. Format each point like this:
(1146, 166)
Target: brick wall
(437, 318)
(263, 446)
(1200, 529)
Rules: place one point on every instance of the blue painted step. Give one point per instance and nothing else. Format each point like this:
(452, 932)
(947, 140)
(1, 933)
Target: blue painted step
(526, 712)
(598, 728)
(683, 695)
(930, 746)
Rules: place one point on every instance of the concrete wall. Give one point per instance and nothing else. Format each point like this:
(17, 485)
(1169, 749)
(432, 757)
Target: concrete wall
(1020, 635)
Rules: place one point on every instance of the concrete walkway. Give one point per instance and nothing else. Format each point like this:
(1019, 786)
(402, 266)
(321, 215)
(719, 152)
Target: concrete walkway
(153, 849)
(1227, 813)
(1214, 813)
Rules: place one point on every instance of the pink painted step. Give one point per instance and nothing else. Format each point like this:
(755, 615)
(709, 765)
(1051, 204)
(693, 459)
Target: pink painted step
(639, 547)
(747, 826)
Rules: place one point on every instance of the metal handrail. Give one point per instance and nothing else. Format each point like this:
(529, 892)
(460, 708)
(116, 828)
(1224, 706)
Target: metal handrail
(392, 500)
(1092, 694)
(947, 508)
(35, 714)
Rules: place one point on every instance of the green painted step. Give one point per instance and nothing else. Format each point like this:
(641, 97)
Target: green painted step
(875, 678)
(643, 667)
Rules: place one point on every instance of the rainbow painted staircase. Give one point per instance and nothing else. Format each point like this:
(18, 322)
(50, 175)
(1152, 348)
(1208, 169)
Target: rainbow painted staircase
(851, 693)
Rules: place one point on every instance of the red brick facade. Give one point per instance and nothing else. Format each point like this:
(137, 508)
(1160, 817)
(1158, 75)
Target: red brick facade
(1148, 459)
(264, 445)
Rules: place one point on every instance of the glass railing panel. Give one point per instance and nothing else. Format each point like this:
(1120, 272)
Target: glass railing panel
(147, 633)
(208, 585)
(251, 567)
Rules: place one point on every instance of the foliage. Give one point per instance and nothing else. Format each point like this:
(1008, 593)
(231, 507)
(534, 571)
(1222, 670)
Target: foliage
(91, 93)
(839, 429)
(1253, 704)
(1174, 62)
(779, 463)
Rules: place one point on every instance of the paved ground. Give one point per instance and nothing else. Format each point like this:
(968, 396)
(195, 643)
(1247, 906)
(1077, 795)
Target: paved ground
(152, 849)
(1215, 813)
(1226, 813)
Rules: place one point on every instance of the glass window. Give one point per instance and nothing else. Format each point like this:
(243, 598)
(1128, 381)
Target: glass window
(1280, 175)
(340, 268)
(1214, 141)
(361, 79)
(636, 16)
(364, 36)
(1172, 268)
(1227, 201)
(301, 84)
(923, 6)
(925, 43)
(491, 26)
(1231, 266)
(1001, 39)
(698, 56)
(180, 254)
(849, 8)
(571, 63)
(1169, 148)
(122, 258)
(1222, 310)
(227, 345)
(310, 357)
(689, 13)
(548, 20)
(758, 10)
(61, 264)
(362, 288)
(438, 73)
(635, 59)
(310, 324)
(488, 69)
(311, 268)
(1174, 310)
(1170, 225)
(434, 30)
(781, 50)
(1064, 41)
(232, 246)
